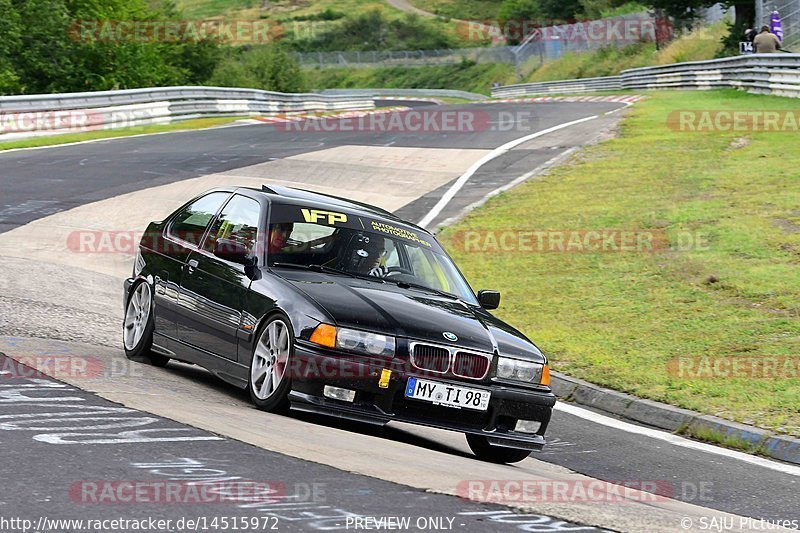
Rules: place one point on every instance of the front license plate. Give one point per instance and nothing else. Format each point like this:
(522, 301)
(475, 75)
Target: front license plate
(448, 395)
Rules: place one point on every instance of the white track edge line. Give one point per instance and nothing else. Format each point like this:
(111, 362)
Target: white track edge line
(500, 150)
(675, 440)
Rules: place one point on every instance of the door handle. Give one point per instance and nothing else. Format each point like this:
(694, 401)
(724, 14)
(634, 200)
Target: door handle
(192, 265)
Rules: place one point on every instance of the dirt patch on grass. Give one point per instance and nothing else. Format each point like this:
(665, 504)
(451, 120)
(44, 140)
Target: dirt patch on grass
(739, 143)
(786, 225)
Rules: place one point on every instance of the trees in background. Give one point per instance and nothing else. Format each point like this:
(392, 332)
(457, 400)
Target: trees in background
(45, 47)
(263, 67)
(372, 30)
(685, 13)
(40, 51)
(10, 34)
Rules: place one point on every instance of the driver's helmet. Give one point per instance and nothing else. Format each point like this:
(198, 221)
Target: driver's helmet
(365, 255)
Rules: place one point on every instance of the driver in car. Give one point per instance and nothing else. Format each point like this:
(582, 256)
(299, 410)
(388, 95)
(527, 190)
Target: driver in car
(377, 259)
(278, 235)
(367, 256)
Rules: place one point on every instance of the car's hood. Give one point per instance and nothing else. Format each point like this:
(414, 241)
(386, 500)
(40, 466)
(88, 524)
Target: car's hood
(410, 313)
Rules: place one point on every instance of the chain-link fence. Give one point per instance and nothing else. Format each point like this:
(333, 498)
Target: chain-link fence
(543, 44)
(789, 11)
(406, 58)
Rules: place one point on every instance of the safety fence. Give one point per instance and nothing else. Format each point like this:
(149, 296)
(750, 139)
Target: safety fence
(543, 43)
(789, 13)
(578, 86)
(777, 74)
(32, 115)
(407, 93)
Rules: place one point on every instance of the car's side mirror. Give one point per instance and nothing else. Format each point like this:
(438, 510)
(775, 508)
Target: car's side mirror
(234, 251)
(489, 299)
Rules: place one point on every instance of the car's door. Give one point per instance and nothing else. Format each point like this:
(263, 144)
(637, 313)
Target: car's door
(213, 289)
(181, 235)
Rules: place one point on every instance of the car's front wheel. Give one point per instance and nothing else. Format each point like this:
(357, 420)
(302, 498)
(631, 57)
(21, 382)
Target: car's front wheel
(269, 369)
(494, 454)
(137, 330)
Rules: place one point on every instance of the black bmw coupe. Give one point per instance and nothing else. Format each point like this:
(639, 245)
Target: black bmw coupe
(323, 304)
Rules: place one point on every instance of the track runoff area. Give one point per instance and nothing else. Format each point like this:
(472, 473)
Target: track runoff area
(101, 438)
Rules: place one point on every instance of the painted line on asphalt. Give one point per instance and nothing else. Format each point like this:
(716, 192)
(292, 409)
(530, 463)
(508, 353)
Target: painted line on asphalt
(675, 439)
(510, 185)
(497, 152)
(627, 105)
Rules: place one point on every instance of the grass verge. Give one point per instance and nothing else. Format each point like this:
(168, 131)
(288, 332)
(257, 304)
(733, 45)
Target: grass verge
(728, 293)
(66, 138)
(460, 9)
(466, 76)
(699, 45)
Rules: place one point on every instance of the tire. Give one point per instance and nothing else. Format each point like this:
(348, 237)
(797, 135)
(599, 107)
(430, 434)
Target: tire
(269, 381)
(494, 454)
(138, 327)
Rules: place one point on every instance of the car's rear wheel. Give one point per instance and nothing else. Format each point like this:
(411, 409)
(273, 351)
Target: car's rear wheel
(494, 454)
(269, 369)
(137, 330)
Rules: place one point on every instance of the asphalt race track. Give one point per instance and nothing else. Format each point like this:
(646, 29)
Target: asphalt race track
(59, 437)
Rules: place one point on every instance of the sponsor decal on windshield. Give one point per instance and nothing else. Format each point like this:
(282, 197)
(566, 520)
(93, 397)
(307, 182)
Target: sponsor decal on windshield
(314, 216)
(399, 232)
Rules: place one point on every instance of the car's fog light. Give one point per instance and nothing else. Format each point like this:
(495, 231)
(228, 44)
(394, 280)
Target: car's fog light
(527, 426)
(336, 393)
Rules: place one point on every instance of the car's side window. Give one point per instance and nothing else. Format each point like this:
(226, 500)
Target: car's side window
(427, 268)
(191, 222)
(392, 257)
(237, 222)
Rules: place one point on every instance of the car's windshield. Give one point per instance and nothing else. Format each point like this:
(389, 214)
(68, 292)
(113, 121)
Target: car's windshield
(363, 247)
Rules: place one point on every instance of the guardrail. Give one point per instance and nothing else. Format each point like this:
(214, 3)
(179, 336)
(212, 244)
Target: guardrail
(47, 114)
(407, 93)
(584, 85)
(777, 74)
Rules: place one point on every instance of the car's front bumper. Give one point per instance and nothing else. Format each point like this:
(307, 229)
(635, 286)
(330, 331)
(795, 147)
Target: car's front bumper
(314, 368)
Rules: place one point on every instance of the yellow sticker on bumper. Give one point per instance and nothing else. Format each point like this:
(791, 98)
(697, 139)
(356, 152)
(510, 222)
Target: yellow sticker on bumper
(386, 375)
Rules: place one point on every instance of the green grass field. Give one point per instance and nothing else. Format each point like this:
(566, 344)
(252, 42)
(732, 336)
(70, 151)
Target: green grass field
(464, 77)
(293, 15)
(620, 319)
(461, 9)
(278, 9)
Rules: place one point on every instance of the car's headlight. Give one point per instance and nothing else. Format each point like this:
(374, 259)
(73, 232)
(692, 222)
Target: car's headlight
(354, 340)
(524, 371)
